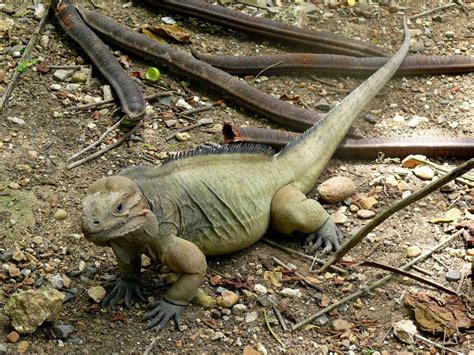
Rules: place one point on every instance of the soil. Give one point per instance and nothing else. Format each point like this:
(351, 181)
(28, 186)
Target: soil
(35, 183)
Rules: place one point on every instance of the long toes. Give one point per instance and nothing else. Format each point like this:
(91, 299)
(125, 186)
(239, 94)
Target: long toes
(153, 304)
(128, 297)
(337, 242)
(327, 248)
(155, 320)
(163, 323)
(152, 313)
(177, 319)
(317, 244)
(106, 301)
(118, 297)
(139, 294)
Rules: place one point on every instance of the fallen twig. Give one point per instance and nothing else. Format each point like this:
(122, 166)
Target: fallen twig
(431, 342)
(98, 141)
(461, 282)
(428, 12)
(378, 219)
(106, 149)
(375, 284)
(25, 57)
(195, 110)
(403, 273)
(111, 102)
(270, 329)
(265, 69)
(280, 318)
(305, 256)
(303, 278)
(202, 122)
(423, 271)
(151, 346)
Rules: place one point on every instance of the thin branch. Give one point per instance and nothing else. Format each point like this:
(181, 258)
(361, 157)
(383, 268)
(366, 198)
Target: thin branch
(280, 318)
(378, 219)
(265, 69)
(25, 57)
(403, 273)
(187, 128)
(375, 284)
(270, 329)
(463, 180)
(195, 110)
(98, 141)
(431, 342)
(106, 149)
(421, 270)
(151, 346)
(305, 256)
(111, 102)
(428, 12)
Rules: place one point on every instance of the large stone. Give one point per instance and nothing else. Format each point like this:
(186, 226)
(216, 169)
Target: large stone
(203, 299)
(337, 189)
(29, 309)
(228, 299)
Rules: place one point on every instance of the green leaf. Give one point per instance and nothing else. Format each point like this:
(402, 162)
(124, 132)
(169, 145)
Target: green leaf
(152, 75)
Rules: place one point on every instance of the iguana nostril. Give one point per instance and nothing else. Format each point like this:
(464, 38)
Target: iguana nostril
(95, 222)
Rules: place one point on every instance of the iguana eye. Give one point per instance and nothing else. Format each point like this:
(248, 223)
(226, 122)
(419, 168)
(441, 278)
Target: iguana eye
(119, 207)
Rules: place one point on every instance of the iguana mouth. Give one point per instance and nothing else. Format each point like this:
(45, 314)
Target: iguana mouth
(119, 230)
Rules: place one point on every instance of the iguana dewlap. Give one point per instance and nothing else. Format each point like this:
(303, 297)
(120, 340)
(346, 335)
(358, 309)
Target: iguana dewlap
(213, 201)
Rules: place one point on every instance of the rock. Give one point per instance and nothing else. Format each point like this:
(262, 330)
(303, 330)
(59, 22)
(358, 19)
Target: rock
(424, 172)
(204, 300)
(227, 299)
(97, 293)
(62, 331)
(44, 41)
(250, 317)
(56, 281)
(322, 105)
(171, 123)
(39, 11)
(449, 34)
(291, 293)
(391, 180)
(72, 87)
(405, 330)
(470, 252)
(183, 104)
(60, 214)
(370, 118)
(4, 322)
(13, 270)
(249, 295)
(248, 350)
(322, 320)
(81, 326)
(79, 77)
(366, 203)
(453, 275)
(365, 214)
(339, 218)
(13, 337)
(22, 346)
(29, 309)
(63, 74)
(260, 289)
(403, 186)
(182, 136)
(413, 251)
(336, 189)
(415, 121)
(16, 120)
(3, 349)
(239, 309)
(6, 24)
(341, 324)
(18, 255)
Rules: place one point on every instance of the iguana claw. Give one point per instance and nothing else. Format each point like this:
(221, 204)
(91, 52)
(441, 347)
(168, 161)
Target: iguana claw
(162, 312)
(328, 234)
(123, 289)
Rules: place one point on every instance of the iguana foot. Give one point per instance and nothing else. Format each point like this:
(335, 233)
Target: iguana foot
(328, 234)
(123, 289)
(162, 312)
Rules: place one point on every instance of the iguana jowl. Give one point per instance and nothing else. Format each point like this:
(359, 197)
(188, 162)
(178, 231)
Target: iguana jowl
(212, 201)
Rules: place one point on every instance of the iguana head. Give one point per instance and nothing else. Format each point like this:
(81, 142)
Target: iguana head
(114, 207)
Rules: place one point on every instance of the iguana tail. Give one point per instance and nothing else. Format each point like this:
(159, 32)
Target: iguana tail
(308, 155)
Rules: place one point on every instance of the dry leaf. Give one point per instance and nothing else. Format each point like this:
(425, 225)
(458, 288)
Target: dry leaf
(171, 32)
(274, 277)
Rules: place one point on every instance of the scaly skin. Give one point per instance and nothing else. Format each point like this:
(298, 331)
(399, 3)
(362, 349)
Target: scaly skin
(217, 201)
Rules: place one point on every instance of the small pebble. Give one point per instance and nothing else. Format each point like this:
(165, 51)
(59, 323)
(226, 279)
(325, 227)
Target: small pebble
(97, 293)
(60, 214)
(366, 203)
(424, 172)
(291, 293)
(14, 186)
(339, 218)
(239, 309)
(365, 214)
(227, 299)
(250, 317)
(22, 346)
(13, 337)
(341, 325)
(63, 74)
(16, 120)
(413, 251)
(368, 117)
(260, 289)
(62, 331)
(182, 136)
(322, 105)
(453, 275)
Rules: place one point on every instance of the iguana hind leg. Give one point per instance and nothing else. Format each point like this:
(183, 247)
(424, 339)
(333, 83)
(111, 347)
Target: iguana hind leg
(292, 212)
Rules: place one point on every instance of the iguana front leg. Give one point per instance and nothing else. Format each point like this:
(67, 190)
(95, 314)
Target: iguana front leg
(128, 285)
(292, 212)
(180, 256)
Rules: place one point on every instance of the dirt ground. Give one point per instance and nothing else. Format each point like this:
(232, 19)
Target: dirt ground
(35, 184)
